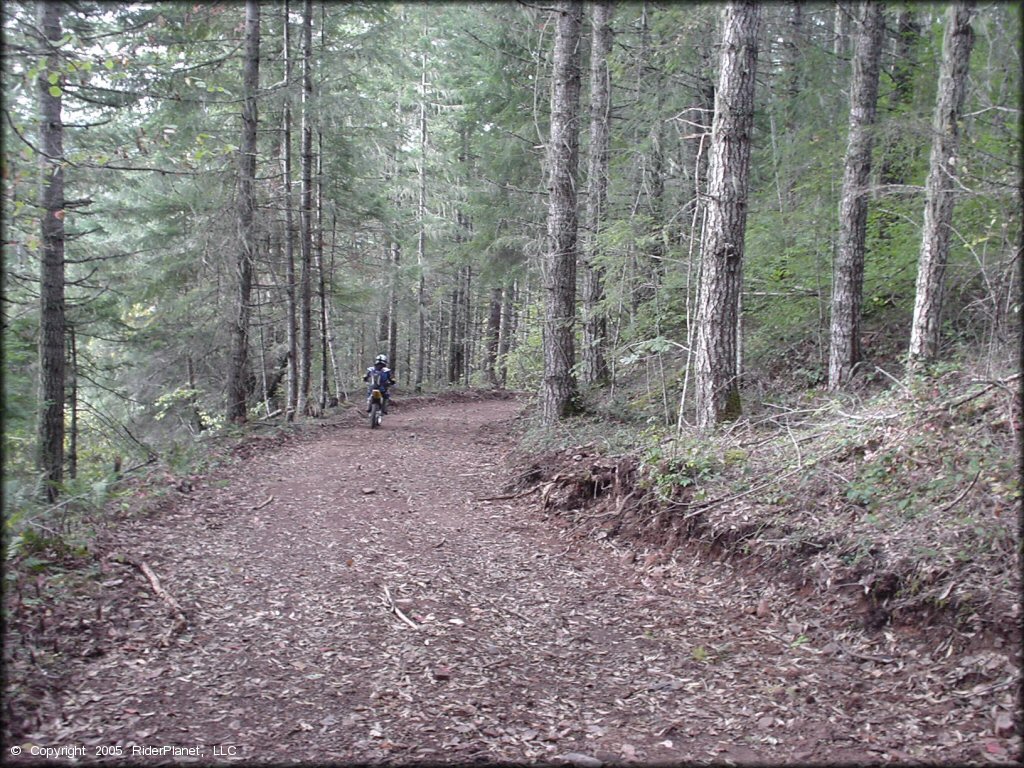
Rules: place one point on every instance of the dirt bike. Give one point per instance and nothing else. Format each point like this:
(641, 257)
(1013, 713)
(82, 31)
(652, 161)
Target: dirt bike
(376, 402)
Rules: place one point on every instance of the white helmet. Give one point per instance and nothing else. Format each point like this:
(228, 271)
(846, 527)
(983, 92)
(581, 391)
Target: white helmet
(381, 359)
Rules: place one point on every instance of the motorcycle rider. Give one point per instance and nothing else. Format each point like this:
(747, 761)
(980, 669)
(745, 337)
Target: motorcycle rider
(386, 380)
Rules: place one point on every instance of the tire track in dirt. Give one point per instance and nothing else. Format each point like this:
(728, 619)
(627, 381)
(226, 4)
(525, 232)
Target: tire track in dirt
(525, 647)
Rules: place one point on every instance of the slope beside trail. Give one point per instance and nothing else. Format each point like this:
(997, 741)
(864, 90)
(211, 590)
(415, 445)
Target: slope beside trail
(527, 645)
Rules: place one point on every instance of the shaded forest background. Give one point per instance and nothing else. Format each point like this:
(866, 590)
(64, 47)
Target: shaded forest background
(400, 201)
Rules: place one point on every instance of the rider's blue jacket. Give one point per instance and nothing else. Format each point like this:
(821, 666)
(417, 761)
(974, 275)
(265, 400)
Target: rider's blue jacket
(386, 379)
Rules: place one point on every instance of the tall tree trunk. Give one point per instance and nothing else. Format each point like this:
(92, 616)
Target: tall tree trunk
(558, 389)
(393, 289)
(339, 387)
(467, 325)
(50, 428)
(291, 405)
(196, 423)
(507, 331)
(717, 388)
(72, 385)
(422, 345)
(939, 194)
(306, 214)
(454, 342)
(595, 366)
(493, 336)
(842, 30)
(239, 364)
(321, 272)
(421, 235)
(848, 267)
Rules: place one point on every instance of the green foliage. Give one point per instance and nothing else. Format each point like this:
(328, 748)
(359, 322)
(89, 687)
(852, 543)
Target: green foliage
(525, 363)
(672, 464)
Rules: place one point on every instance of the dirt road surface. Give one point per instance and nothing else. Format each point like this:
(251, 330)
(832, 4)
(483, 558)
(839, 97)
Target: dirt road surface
(361, 597)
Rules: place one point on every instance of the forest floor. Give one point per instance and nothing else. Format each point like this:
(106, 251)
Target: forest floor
(350, 596)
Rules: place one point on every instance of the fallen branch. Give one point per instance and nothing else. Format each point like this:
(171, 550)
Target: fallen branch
(176, 611)
(862, 656)
(262, 504)
(391, 606)
(960, 498)
(1001, 383)
(162, 593)
(1012, 680)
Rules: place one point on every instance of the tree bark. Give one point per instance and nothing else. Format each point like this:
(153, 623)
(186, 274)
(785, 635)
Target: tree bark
(939, 192)
(842, 30)
(454, 342)
(50, 427)
(289, 226)
(321, 272)
(238, 367)
(305, 341)
(558, 389)
(467, 325)
(393, 290)
(493, 336)
(339, 387)
(717, 388)
(848, 266)
(505, 338)
(421, 235)
(594, 369)
(72, 395)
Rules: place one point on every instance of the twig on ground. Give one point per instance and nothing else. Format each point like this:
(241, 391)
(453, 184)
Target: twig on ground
(960, 498)
(1001, 383)
(263, 503)
(391, 606)
(796, 446)
(177, 612)
(903, 386)
(863, 656)
(154, 582)
(1012, 680)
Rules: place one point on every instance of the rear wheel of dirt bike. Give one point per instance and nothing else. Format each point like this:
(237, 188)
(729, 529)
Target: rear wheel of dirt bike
(374, 415)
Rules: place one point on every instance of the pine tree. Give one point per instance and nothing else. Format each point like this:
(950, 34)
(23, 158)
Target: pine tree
(239, 365)
(939, 187)
(848, 267)
(560, 263)
(50, 432)
(717, 385)
(594, 368)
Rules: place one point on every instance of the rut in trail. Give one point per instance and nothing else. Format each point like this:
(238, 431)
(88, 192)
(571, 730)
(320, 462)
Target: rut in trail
(379, 608)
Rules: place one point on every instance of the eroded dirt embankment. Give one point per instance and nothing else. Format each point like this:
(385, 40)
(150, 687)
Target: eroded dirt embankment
(357, 596)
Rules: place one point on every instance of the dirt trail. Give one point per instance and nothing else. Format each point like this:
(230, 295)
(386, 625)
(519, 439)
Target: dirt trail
(526, 646)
